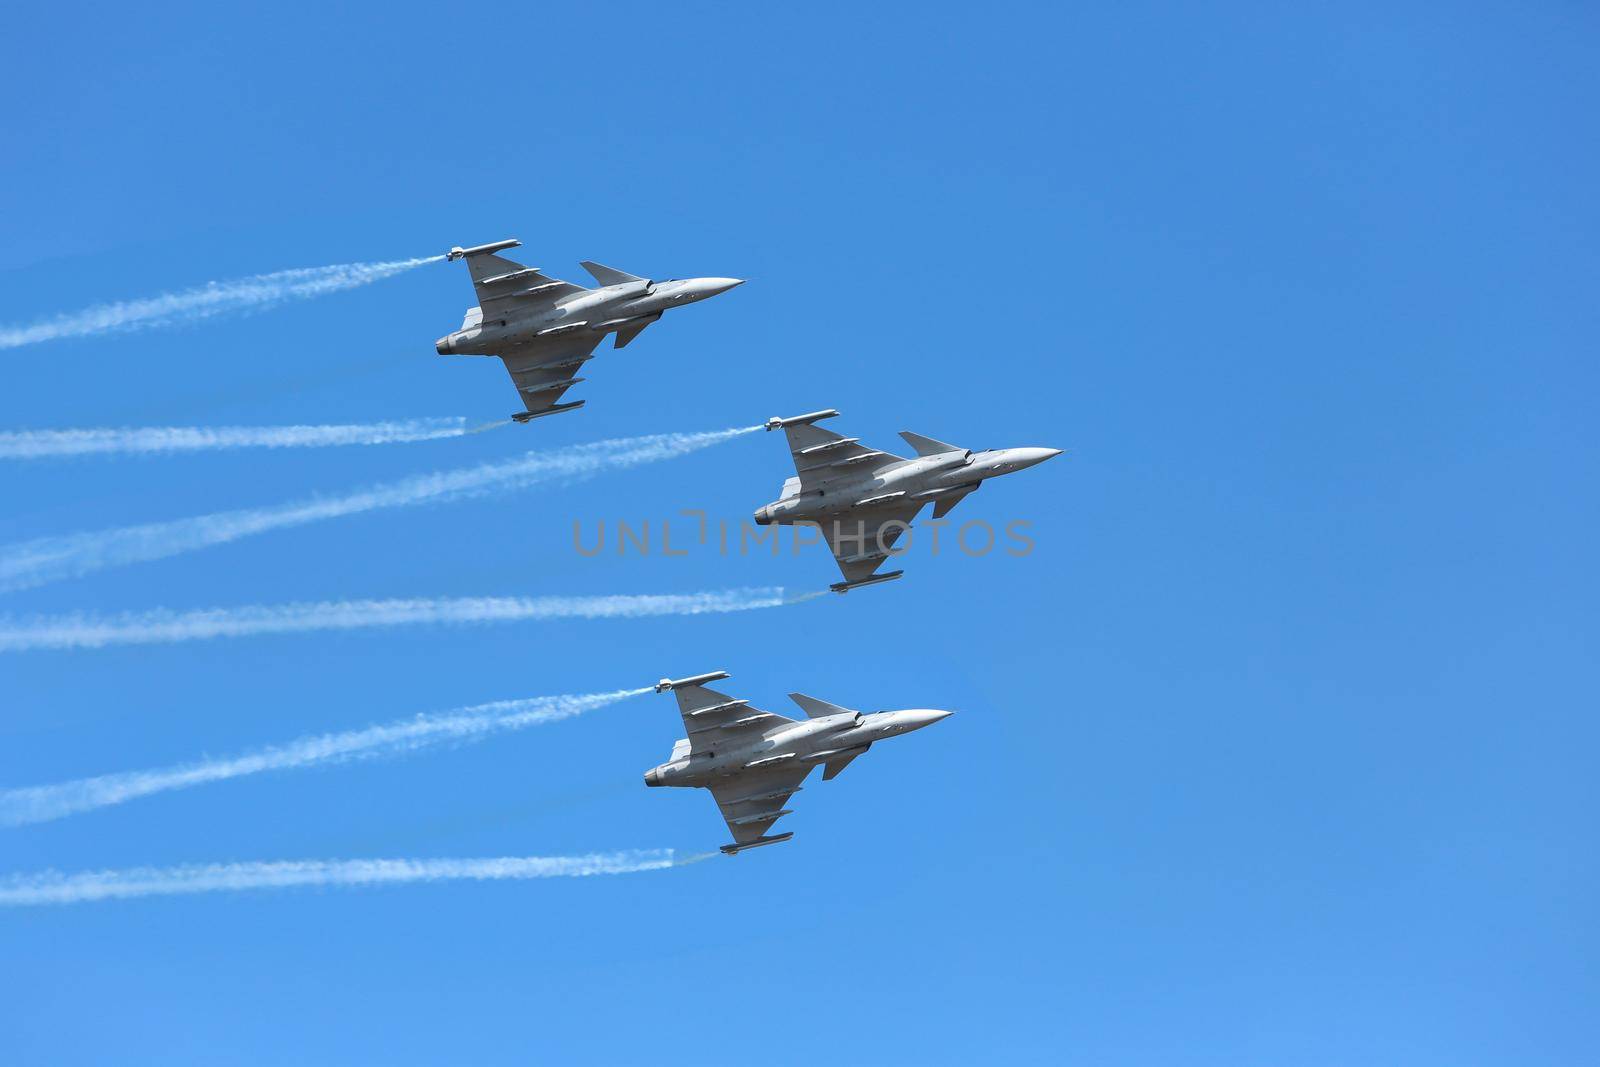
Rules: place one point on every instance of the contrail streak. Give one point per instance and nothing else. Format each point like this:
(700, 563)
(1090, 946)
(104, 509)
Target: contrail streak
(37, 562)
(166, 627)
(214, 298)
(149, 440)
(53, 887)
(34, 804)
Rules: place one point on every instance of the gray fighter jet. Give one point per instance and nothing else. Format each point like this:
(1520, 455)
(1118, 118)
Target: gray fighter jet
(753, 761)
(863, 499)
(545, 329)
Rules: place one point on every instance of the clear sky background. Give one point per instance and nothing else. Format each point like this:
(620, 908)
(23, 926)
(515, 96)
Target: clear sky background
(1278, 749)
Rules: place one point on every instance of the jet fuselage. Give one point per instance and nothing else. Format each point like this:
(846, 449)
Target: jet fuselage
(808, 741)
(925, 478)
(603, 310)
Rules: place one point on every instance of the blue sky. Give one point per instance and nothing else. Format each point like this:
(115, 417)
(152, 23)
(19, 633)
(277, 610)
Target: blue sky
(1277, 749)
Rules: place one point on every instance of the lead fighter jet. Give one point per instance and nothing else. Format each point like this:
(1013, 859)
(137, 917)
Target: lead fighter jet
(545, 329)
(753, 761)
(863, 499)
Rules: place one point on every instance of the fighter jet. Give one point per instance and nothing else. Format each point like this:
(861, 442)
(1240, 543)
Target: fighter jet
(545, 329)
(863, 499)
(753, 760)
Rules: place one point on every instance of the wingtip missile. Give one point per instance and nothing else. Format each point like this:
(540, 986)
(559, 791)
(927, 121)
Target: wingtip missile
(776, 423)
(771, 839)
(461, 253)
(699, 679)
(556, 409)
(845, 587)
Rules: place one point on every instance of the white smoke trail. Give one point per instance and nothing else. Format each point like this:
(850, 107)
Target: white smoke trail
(165, 627)
(41, 444)
(32, 563)
(53, 887)
(215, 298)
(34, 804)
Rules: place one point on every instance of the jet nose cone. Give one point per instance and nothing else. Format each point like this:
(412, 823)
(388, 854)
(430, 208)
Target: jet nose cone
(1027, 457)
(714, 286)
(926, 717)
